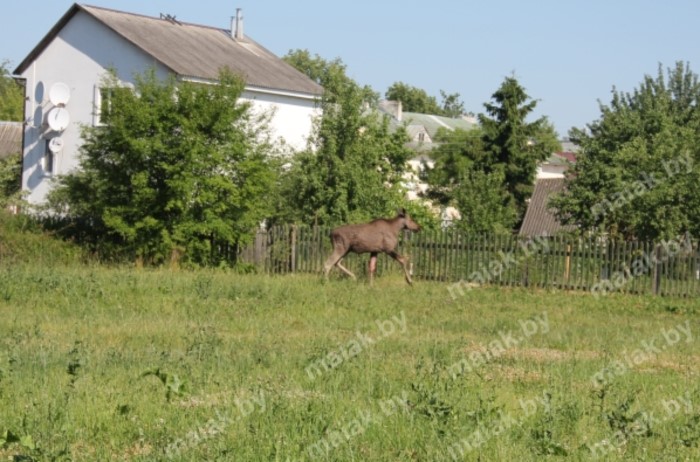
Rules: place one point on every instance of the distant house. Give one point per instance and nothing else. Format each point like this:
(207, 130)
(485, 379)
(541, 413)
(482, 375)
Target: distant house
(65, 71)
(558, 163)
(421, 130)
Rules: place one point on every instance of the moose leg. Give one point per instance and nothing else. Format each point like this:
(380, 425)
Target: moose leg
(402, 261)
(345, 270)
(334, 260)
(372, 266)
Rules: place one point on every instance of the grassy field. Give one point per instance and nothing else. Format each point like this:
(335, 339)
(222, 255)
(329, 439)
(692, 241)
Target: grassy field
(104, 364)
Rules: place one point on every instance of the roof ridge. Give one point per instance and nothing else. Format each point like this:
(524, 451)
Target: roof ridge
(146, 16)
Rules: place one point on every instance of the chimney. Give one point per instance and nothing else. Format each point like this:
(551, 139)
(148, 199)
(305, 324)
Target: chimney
(237, 25)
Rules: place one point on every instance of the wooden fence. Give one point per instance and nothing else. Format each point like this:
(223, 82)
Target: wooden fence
(570, 263)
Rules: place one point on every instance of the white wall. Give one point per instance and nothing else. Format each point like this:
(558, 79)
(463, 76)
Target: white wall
(550, 171)
(292, 116)
(79, 56)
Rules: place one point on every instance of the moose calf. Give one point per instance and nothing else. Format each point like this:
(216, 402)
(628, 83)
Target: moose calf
(380, 235)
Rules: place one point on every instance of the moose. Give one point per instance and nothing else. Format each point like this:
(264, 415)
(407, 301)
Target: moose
(378, 236)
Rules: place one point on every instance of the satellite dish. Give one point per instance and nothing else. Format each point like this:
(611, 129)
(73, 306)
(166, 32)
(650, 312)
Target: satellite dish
(58, 119)
(56, 144)
(59, 94)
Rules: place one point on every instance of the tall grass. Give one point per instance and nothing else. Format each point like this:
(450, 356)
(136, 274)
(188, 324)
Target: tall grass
(126, 364)
(22, 240)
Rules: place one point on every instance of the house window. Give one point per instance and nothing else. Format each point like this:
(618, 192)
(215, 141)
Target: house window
(103, 103)
(48, 160)
(421, 137)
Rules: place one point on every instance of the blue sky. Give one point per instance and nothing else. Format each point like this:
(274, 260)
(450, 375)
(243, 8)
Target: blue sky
(567, 54)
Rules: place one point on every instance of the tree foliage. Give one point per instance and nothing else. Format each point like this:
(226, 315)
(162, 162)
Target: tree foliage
(352, 171)
(178, 167)
(10, 173)
(514, 144)
(415, 99)
(11, 96)
(488, 172)
(637, 173)
(452, 106)
(11, 109)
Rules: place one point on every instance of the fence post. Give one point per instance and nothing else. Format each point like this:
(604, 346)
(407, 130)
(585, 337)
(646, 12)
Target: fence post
(656, 273)
(293, 248)
(567, 265)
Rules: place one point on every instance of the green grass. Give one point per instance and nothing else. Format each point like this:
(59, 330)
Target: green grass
(126, 364)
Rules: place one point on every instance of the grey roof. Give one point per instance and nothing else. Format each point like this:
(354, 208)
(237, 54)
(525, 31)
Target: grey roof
(539, 218)
(433, 123)
(10, 138)
(192, 50)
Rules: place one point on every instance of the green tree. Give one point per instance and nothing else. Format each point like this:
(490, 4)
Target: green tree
(452, 106)
(494, 164)
(11, 109)
(515, 144)
(178, 167)
(10, 172)
(637, 173)
(352, 171)
(483, 202)
(413, 99)
(465, 177)
(11, 96)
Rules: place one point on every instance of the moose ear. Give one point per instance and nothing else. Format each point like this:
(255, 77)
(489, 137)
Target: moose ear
(402, 212)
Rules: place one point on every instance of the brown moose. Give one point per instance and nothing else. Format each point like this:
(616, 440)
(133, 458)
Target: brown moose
(380, 235)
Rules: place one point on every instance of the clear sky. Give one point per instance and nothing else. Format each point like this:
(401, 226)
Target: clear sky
(568, 54)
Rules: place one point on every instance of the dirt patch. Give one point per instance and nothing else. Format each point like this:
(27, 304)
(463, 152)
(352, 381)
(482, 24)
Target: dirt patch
(539, 355)
(547, 355)
(512, 374)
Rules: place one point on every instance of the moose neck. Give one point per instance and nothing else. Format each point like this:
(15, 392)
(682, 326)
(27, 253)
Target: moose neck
(397, 224)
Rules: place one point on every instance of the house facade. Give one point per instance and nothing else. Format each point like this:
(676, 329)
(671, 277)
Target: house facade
(64, 75)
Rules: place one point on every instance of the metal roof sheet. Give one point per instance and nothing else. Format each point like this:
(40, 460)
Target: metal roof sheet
(539, 218)
(10, 138)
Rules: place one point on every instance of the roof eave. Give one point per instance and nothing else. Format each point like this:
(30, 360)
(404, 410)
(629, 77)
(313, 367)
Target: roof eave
(254, 88)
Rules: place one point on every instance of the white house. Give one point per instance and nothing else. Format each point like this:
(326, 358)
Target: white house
(63, 74)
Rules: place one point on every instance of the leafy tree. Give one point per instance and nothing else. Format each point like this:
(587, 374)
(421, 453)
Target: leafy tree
(11, 109)
(483, 202)
(452, 106)
(178, 168)
(11, 96)
(458, 151)
(637, 173)
(10, 172)
(352, 172)
(413, 99)
(494, 164)
(331, 75)
(465, 177)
